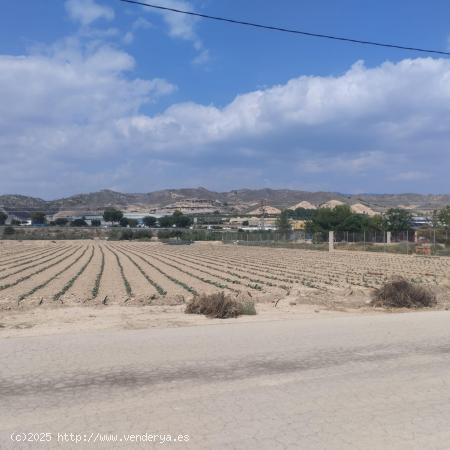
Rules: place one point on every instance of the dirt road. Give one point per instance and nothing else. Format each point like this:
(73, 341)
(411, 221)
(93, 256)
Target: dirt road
(366, 382)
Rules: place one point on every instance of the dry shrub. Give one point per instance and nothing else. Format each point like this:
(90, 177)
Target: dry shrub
(400, 293)
(219, 306)
(247, 307)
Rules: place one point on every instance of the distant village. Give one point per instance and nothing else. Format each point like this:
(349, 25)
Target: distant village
(209, 214)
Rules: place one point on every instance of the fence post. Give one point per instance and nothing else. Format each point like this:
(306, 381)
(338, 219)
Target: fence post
(330, 241)
(388, 237)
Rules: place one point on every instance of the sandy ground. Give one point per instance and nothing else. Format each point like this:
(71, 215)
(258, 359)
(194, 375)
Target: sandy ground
(301, 283)
(316, 381)
(317, 367)
(61, 319)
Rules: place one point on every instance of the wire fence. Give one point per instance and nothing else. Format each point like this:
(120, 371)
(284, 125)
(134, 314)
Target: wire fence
(427, 241)
(424, 241)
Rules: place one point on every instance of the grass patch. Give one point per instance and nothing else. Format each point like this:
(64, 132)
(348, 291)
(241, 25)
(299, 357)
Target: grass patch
(401, 293)
(219, 306)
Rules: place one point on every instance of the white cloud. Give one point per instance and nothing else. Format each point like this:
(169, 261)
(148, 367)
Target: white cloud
(182, 26)
(139, 24)
(58, 112)
(79, 112)
(88, 11)
(202, 57)
(412, 175)
(128, 38)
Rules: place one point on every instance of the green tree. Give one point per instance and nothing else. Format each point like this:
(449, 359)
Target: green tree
(329, 219)
(180, 220)
(61, 222)
(301, 213)
(38, 218)
(354, 223)
(149, 221)
(3, 217)
(96, 222)
(177, 218)
(166, 221)
(112, 215)
(283, 224)
(444, 217)
(397, 219)
(376, 223)
(123, 222)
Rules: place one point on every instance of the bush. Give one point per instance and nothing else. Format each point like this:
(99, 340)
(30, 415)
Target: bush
(126, 235)
(8, 231)
(79, 223)
(143, 234)
(248, 308)
(401, 293)
(167, 234)
(219, 306)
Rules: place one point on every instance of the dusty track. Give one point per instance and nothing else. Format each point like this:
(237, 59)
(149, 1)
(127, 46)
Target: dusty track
(348, 382)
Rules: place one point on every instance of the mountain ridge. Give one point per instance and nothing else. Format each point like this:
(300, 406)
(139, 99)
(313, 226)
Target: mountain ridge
(239, 198)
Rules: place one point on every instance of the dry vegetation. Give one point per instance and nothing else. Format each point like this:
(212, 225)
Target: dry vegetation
(220, 306)
(401, 293)
(99, 272)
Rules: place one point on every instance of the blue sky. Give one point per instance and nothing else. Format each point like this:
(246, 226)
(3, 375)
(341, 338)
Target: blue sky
(102, 94)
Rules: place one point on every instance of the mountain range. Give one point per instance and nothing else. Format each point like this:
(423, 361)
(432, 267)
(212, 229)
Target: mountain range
(240, 200)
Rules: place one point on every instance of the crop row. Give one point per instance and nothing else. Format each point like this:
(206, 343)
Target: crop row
(186, 287)
(98, 278)
(34, 263)
(126, 283)
(158, 288)
(185, 262)
(216, 284)
(70, 283)
(40, 270)
(49, 280)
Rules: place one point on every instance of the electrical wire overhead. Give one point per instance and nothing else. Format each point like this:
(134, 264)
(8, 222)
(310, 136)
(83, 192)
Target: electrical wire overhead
(287, 30)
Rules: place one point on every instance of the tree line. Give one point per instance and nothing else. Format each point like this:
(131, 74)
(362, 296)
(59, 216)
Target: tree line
(110, 215)
(342, 218)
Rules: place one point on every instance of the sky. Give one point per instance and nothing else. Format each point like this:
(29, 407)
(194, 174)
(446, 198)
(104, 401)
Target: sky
(100, 94)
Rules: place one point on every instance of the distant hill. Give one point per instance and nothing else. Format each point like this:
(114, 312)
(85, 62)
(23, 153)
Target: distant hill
(242, 200)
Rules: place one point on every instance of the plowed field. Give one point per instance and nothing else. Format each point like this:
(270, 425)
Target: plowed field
(101, 272)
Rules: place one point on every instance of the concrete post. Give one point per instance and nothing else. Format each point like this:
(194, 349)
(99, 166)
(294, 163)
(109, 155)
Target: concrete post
(330, 241)
(388, 237)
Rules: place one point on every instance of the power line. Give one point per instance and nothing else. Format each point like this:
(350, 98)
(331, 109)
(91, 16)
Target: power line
(286, 30)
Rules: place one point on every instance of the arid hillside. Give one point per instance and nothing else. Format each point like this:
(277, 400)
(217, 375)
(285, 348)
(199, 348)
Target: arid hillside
(239, 200)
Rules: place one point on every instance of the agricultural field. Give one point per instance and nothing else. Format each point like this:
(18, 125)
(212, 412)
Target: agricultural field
(94, 272)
